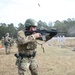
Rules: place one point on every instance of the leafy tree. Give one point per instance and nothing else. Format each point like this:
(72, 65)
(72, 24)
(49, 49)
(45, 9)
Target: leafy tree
(42, 25)
(12, 30)
(21, 26)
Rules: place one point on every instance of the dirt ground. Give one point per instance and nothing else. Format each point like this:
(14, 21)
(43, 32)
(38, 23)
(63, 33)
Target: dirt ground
(57, 59)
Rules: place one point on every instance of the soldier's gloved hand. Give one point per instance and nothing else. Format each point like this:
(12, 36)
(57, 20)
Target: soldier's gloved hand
(37, 35)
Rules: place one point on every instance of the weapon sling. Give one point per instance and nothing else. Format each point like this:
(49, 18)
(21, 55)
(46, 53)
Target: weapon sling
(41, 46)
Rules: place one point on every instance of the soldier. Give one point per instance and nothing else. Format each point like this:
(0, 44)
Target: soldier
(7, 42)
(26, 49)
(2, 41)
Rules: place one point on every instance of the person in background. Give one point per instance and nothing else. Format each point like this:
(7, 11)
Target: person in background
(2, 41)
(7, 42)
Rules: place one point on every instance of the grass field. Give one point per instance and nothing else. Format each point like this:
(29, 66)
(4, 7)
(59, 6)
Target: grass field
(55, 61)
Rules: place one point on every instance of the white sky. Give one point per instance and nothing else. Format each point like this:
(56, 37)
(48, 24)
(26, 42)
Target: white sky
(17, 11)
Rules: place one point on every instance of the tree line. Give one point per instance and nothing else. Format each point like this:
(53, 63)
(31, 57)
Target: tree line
(67, 26)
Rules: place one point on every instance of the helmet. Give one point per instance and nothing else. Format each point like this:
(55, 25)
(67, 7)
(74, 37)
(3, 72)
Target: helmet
(7, 34)
(2, 37)
(30, 22)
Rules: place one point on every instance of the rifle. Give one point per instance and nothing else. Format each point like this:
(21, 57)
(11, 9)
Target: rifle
(44, 32)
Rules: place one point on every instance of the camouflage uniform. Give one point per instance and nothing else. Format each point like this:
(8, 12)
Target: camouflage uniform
(26, 51)
(2, 41)
(7, 44)
(26, 48)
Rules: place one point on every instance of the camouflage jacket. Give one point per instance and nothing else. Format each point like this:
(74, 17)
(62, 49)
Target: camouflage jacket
(26, 44)
(7, 40)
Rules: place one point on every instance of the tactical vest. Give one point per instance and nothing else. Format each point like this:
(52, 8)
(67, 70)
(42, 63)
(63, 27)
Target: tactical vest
(28, 46)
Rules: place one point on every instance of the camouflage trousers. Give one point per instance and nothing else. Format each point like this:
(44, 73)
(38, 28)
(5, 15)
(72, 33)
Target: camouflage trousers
(26, 64)
(7, 49)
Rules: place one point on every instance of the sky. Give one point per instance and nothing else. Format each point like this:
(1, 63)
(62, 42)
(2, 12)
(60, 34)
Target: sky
(17, 11)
